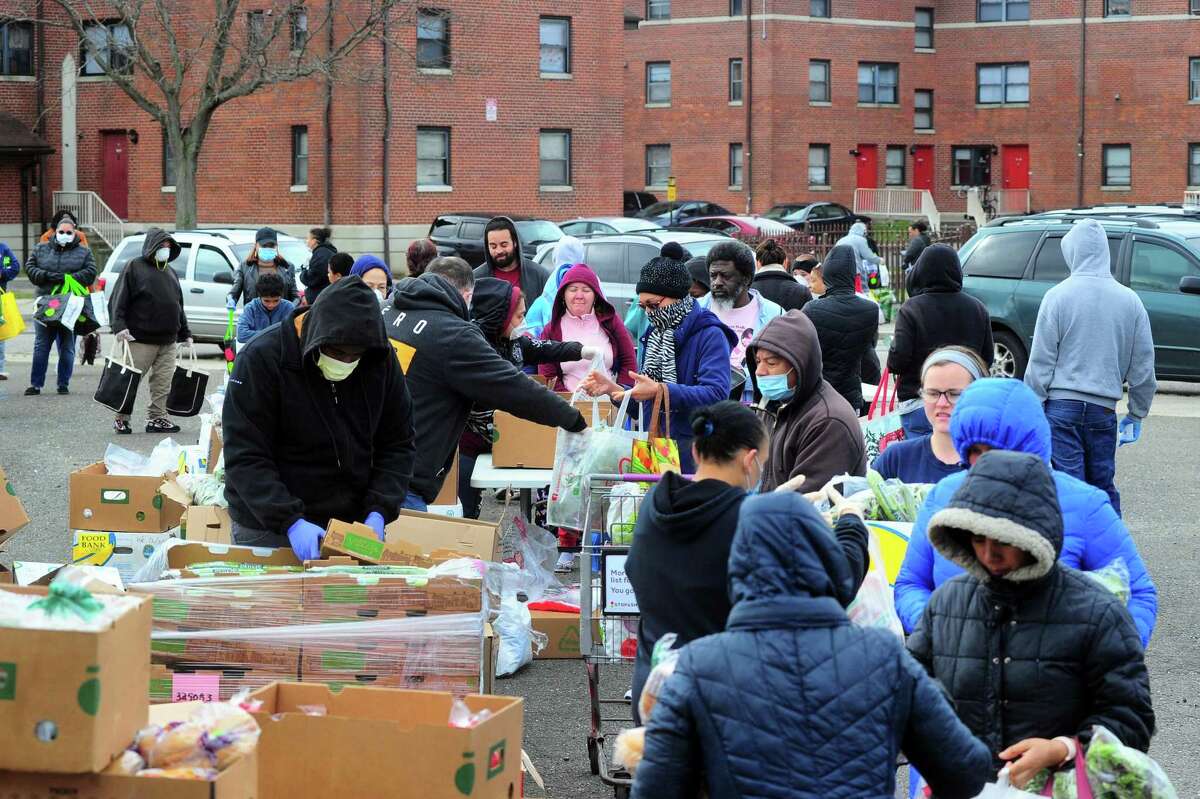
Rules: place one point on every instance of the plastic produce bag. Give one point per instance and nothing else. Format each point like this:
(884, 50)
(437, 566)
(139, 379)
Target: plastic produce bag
(1116, 771)
(204, 489)
(1002, 789)
(534, 553)
(518, 640)
(662, 666)
(127, 463)
(875, 604)
(622, 513)
(1114, 577)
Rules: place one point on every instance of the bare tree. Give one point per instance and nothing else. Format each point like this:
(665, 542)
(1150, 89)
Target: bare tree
(181, 60)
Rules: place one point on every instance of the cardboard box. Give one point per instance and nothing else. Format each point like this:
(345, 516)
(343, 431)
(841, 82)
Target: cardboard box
(100, 501)
(182, 683)
(12, 513)
(563, 631)
(521, 444)
(352, 750)
(491, 650)
(70, 702)
(449, 493)
(206, 523)
(125, 552)
(100, 579)
(432, 532)
(6, 575)
(216, 449)
(239, 781)
(358, 541)
(193, 552)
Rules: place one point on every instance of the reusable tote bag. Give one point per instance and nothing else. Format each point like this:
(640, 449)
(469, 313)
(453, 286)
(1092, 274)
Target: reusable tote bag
(119, 380)
(657, 454)
(883, 427)
(187, 388)
(11, 323)
(229, 344)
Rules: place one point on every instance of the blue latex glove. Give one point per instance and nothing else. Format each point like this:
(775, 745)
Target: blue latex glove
(306, 539)
(375, 522)
(230, 303)
(1131, 430)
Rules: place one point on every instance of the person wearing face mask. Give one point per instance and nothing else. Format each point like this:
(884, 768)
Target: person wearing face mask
(47, 268)
(318, 425)
(147, 312)
(815, 432)
(375, 273)
(802, 268)
(265, 310)
(773, 281)
(1001, 413)
(263, 258)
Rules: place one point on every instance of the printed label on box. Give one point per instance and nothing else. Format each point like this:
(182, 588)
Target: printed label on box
(195, 687)
(8, 680)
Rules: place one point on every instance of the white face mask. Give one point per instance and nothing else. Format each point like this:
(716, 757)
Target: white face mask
(382, 297)
(162, 255)
(64, 238)
(335, 371)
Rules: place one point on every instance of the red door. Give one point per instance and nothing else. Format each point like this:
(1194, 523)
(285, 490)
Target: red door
(1016, 166)
(114, 185)
(923, 167)
(868, 166)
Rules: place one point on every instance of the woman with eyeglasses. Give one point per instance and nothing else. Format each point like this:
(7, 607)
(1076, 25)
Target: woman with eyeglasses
(945, 374)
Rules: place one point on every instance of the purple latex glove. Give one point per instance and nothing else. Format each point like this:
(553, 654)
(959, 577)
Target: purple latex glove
(305, 538)
(375, 522)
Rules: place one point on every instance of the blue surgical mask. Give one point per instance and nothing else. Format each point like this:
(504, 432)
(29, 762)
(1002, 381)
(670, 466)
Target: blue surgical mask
(775, 387)
(758, 484)
(266, 253)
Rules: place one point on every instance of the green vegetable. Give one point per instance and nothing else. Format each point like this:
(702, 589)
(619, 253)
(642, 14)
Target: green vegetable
(1116, 771)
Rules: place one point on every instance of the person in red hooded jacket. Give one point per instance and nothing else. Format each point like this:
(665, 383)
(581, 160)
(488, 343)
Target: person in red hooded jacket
(582, 313)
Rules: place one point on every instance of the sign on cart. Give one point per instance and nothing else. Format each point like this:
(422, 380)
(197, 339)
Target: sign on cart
(616, 592)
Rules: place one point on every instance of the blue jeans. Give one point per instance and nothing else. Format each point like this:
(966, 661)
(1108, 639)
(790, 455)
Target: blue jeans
(43, 338)
(2, 353)
(916, 423)
(414, 502)
(1084, 438)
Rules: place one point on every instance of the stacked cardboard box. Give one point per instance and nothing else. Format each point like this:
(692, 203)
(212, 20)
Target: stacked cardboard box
(12, 518)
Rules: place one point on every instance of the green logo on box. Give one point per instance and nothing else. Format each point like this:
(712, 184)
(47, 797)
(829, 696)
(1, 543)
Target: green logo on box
(370, 548)
(8, 680)
(496, 759)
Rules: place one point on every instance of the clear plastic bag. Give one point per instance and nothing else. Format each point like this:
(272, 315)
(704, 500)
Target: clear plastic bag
(623, 507)
(1114, 577)
(534, 552)
(1116, 771)
(662, 666)
(519, 642)
(875, 603)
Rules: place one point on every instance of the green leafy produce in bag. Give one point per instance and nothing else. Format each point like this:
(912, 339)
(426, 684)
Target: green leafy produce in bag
(1116, 771)
(1114, 577)
(64, 598)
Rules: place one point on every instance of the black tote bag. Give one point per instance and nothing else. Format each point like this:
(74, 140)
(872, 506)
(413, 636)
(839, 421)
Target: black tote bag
(119, 380)
(187, 388)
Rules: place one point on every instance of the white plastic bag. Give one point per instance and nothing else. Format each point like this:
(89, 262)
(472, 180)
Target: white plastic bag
(518, 640)
(623, 506)
(875, 604)
(1001, 789)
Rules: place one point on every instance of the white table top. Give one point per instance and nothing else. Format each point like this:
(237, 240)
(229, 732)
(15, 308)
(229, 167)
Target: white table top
(488, 476)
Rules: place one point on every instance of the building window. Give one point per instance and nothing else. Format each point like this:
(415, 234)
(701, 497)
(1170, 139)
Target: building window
(168, 161)
(433, 39)
(737, 8)
(299, 155)
(820, 8)
(894, 174)
(923, 109)
(1117, 165)
(1194, 7)
(877, 83)
(1118, 8)
(106, 43)
(256, 30)
(299, 28)
(658, 82)
(818, 164)
(1194, 164)
(818, 82)
(658, 164)
(924, 23)
(16, 48)
(735, 80)
(1002, 10)
(972, 166)
(735, 165)
(1002, 83)
(658, 9)
(554, 158)
(1194, 81)
(433, 156)
(555, 37)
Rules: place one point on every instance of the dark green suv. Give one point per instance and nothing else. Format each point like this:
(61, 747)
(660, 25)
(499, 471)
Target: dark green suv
(1010, 264)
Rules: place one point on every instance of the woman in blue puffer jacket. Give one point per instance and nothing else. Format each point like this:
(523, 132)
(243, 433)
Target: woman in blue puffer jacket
(792, 700)
(999, 413)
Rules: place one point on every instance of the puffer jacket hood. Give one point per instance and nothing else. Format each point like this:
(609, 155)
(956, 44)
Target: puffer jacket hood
(491, 303)
(1009, 497)
(155, 238)
(1003, 414)
(838, 270)
(511, 227)
(794, 337)
(937, 270)
(346, 314)
(429, 292)
(1085, 248)
(783, 548)
(859, 229)
(568, 252)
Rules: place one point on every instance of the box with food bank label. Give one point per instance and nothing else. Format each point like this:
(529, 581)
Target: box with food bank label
(103, 501)
(351, 749)
(125, 552)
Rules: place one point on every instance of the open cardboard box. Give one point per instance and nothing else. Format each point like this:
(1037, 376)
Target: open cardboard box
(377, 742)
(562, 630)
(125, 552)
(12, 513)
(432, 532)
(183, 555)
(521, 444)
(70, 702)
(101, 501)
(206, 523)
(239, 781)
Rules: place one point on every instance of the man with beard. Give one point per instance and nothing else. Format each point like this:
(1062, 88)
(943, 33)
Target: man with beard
(741, 308)
(502, 259)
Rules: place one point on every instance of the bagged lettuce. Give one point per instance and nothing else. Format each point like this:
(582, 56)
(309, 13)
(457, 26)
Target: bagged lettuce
(1116, 771)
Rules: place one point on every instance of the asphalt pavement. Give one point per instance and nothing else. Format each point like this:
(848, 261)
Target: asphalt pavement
(44, 438)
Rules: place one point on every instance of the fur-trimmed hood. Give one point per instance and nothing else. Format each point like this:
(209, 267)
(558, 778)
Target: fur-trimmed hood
(1009, 497)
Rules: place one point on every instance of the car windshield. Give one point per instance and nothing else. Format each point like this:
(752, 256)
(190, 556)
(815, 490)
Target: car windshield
(538, 231)
(657, 209)
(786, 213)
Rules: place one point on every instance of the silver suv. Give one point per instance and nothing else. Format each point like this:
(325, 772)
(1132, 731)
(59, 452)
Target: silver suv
(205, 267)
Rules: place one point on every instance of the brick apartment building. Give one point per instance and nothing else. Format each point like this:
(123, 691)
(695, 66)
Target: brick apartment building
(927, 94)
(496, 105)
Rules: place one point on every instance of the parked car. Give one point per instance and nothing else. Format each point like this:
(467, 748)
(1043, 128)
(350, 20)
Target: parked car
(205, 266)
(740, 226)
(637, 200)
(462, 234)
(618, 260)
(1166, 210)
(1010, 264)
(814, 216)
(606, 225)
(668, 214)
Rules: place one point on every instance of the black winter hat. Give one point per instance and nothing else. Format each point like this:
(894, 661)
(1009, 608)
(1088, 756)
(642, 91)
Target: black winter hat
(698, 269)
(265, 234)
(666, 275)
(1009, 497)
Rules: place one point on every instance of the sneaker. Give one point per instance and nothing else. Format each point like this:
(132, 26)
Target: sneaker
(629, 696)
(32, 391)
(64, 390)
(161, 426)
(566, 562)
(3, 375)
(122, 427)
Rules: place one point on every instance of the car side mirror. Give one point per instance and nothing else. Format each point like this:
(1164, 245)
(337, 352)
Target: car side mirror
(225, 278)
(1189, 284)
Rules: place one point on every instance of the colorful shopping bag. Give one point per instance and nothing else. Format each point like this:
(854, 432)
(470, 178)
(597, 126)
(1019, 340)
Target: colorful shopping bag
(11, 323)
(657, 454)
(882, 427)
(229, 344)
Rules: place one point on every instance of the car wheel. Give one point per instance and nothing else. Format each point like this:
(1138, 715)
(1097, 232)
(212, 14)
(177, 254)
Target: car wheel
(1010, 358)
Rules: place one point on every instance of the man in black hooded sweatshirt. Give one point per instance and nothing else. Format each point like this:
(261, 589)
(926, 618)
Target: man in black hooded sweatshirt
(318, 424)
(502, 259)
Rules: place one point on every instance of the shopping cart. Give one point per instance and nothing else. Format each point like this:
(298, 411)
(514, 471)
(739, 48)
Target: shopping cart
(608, 610)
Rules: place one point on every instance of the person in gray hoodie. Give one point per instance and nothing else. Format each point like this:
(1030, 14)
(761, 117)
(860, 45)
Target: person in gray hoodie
(1092, 337)
(866, 260)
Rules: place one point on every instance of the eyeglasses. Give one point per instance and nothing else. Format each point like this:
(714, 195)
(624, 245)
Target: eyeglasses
(932, 395)
(650, 307)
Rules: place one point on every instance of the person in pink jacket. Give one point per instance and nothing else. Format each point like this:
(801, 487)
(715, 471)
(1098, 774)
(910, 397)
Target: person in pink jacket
(581, 313)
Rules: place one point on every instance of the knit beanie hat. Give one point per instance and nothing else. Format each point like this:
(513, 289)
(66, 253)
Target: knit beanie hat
(666, 275)
(698, 269)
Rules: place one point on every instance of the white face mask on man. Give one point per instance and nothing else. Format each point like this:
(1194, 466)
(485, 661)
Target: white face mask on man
(64, 238)
(162, 254)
